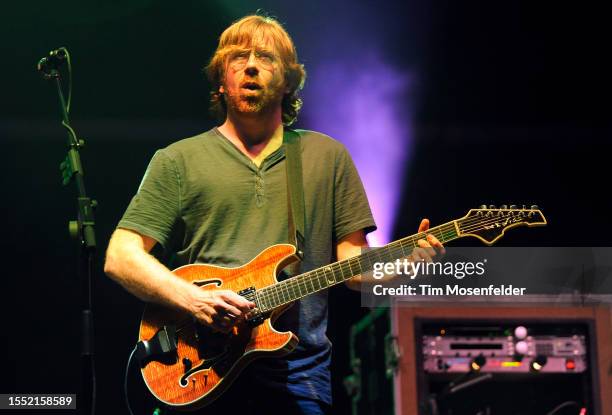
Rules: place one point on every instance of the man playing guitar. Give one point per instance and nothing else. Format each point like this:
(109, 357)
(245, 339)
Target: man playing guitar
(220, 198)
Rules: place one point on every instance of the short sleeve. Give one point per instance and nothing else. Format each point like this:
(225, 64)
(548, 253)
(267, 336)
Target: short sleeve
(351, 208)
(155, 209)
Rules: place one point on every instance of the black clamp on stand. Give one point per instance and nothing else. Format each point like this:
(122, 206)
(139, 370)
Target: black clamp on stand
(81, 229)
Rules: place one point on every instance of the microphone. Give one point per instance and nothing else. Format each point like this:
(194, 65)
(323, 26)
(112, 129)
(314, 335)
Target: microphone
(52, 62)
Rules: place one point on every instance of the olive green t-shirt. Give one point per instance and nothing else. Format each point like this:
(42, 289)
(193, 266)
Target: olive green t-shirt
(208, 202)
(205, 201)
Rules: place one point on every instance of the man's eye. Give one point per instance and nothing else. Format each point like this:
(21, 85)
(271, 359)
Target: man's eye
(240, 55)
(267, 57)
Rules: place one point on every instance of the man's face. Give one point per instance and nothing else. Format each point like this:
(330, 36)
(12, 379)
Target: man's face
(254, 79)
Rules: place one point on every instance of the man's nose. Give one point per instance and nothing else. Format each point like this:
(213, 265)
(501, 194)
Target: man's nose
(251, 65)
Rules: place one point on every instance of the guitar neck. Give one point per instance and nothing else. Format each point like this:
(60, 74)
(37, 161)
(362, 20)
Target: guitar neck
(322, 278)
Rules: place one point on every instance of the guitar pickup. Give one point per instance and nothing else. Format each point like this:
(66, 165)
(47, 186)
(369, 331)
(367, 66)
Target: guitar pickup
(162, 343)
(255, 318)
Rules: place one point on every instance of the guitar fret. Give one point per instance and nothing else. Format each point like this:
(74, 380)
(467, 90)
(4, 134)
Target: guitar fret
(329, 281)
(313, 279)
(333, 274)
(351, 268)
(309, 280)
(305, 282)
(322, 282)
(275, 292)
(268, 298)
(291, 294)
(278, 289)
(288, 290)
(295, 282)
(298, 281)
(286, 295)
(359, 264)
(401, 244)
(341, 270)
(308, 284)
(324, 276)
(346, 267)
(294, 292)
(259, 300)
(367, 259)
(265, 304)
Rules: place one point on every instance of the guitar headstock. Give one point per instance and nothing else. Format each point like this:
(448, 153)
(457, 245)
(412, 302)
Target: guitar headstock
(489, 223)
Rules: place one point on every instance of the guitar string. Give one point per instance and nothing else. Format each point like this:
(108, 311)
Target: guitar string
(443, 229)
(301, 280)
(468, 225)
(395, 247)
(473, 226)
(276, 290)
(276, 294)
(476, 220)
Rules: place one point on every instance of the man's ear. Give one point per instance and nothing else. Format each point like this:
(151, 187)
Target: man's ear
(221, 90)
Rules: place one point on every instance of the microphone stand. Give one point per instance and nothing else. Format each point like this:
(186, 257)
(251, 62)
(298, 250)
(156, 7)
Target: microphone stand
(81, 229)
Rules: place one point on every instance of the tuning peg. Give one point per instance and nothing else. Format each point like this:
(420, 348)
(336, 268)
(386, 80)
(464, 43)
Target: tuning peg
(504, 207)
(534, 207)
(513, 207)
(492, 207)
(483, 207)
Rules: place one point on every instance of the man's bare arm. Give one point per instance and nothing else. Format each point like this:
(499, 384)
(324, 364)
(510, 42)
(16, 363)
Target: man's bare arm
(129, 263)
(350, 246)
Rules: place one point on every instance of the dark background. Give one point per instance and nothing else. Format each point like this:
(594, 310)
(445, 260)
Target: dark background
(511, 106)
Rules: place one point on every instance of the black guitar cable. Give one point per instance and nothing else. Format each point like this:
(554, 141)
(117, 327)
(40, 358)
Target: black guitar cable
(125, 382)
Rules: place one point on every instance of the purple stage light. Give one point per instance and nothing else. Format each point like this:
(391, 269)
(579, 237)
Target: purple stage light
(364, 105)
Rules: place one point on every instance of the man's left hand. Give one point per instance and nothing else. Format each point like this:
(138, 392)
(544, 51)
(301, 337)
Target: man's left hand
(428, 247)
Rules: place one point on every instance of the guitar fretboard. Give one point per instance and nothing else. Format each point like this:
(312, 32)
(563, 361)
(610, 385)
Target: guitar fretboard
(302, 285)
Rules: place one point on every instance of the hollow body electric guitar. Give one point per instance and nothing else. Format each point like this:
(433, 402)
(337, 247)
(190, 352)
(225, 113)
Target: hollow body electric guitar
(187, 365)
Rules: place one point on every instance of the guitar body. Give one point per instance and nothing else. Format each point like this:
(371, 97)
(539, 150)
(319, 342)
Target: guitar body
(206, 362)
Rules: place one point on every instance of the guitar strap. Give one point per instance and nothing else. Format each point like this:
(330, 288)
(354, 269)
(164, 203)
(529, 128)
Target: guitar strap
(295, 189)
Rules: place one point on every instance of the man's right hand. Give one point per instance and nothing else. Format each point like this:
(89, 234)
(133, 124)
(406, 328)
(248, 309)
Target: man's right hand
(219, 309)
(128, 262)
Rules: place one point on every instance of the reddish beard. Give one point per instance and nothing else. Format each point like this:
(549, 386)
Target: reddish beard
(253, 103)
